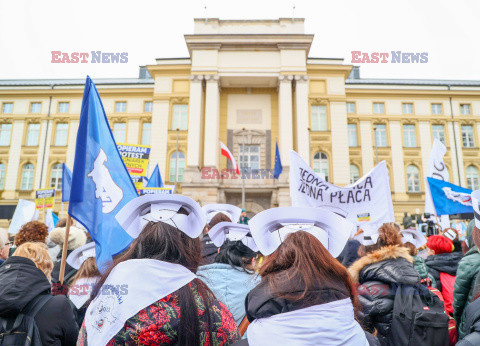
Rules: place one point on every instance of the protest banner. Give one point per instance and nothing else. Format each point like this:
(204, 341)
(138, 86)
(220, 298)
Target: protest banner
(168, 189)
(367, 203)
(136, 159)
(450, 199)
(44, 199)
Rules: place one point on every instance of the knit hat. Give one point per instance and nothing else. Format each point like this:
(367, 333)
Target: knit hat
(439, 244)
(76, 237)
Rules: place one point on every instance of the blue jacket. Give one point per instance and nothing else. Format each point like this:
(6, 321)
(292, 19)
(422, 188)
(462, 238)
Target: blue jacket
(229, 285)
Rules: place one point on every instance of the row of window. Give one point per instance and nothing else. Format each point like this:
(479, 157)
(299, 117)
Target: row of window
(407, 108)
(409, 135)
(64, 107)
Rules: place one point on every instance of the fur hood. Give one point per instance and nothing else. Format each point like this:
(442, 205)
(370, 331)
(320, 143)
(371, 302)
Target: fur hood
(384, 253)
(76, 237)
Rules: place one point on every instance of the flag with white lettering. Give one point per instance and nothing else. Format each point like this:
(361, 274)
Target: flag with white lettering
(367, 203)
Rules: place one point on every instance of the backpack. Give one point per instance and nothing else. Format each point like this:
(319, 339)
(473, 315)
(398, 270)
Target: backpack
(22, 330)
(418, 318)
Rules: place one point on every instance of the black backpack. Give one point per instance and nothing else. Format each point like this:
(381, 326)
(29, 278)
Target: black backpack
(22, 330)
(419, 318)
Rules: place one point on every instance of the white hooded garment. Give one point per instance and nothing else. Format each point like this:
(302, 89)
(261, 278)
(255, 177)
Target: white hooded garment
(326, 324)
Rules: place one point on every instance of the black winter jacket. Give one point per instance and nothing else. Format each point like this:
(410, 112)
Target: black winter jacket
(443, 263)
(377, 273)
(21, 282)
(472, 325)
(209, 250)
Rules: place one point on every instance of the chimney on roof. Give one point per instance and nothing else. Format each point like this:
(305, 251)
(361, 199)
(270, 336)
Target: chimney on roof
(354, 73)
(143, 73)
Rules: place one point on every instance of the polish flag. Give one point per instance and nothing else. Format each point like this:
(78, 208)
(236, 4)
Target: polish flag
(228, 155)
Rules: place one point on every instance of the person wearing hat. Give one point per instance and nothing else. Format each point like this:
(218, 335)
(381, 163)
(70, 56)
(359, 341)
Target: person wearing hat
(468, 269)
(151, 294)
(305, 296)
(76, 239)
(243, 218)
(215, 213)
(387, 264)
(232, 274)
(83, 260)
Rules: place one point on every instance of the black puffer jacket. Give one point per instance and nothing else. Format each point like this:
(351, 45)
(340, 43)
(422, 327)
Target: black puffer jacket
(443, 263)
(472, 325)
(21, 282)
(209, 250)
(377, 273)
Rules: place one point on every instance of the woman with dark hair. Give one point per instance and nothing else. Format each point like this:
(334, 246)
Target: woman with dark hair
(150, 295)
(386, 264)
(305, 296)
(231, 276)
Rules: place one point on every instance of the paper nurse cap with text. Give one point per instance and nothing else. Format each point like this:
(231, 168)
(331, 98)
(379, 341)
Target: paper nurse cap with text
(162, 208)
(232, 211)
(414, 236)
(223, 231)
(270, 227)
(476, 207)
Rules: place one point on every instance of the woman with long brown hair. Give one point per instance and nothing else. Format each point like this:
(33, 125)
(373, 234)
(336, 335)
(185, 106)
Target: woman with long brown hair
(305, 296)
(151, 295)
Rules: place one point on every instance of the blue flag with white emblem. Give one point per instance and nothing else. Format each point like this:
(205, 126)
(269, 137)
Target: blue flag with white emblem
(450, 199)
(278, 163)
(66, 183)
(155, 179)
(101, 185)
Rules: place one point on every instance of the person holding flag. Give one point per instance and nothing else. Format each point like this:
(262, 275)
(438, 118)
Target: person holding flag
(101, 185)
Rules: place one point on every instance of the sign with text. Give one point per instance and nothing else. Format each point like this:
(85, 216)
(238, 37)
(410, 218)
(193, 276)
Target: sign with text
(44, 199)
(168, 189)
(136, 159)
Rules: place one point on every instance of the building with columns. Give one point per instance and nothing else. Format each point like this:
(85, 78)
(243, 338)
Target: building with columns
(249, 84)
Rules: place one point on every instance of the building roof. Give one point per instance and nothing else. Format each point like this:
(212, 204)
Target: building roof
(73, 82)
(432, 82)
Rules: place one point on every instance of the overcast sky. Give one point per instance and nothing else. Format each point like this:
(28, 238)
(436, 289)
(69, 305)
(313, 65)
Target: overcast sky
(449, 30)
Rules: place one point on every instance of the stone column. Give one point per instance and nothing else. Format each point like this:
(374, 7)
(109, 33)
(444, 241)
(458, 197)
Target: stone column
(212, 121)
(195, 122)
(397, 155)
(133, 128)
(13, 169)
(367, 145)
(42, 155)
(158, 141)
(340, 152)
(285, 120)
(72, 142)
(301, 103)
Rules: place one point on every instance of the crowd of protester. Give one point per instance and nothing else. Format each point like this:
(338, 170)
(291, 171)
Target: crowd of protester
(227, 290)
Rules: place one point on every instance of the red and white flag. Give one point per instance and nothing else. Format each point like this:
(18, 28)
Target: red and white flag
(229, 155)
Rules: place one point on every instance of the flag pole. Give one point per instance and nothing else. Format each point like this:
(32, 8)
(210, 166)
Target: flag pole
(62, 209)
(64, 251)
(243, 180)
(176, 162)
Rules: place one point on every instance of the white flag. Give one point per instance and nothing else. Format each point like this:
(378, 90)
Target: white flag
(24, 212)
(367, 203)
(437, 170)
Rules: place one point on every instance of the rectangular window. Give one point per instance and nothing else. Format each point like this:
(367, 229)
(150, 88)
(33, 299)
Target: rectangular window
(352, 135)
(35, 107)
(180, 117)
(380, 135)
(61, 134)
(120, 107)
(7, 108)
(409, 136)
(438, 132)
(33, 133)
(407, 108)
(437, 108)
(5, 134)
(120, 132)
(350, 107)
(63, 107)
(148, 106)
(250, 157)
(319, 118)
(465, 109)
(146, 133)
(378, 108)
(467, 136)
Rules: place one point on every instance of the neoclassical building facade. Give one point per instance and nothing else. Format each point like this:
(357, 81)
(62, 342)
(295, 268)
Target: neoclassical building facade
(249, 84)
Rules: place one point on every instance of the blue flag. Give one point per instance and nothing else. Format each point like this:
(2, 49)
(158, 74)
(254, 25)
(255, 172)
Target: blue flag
(66, 183)
(155, 179)
(101, 185)
(450, 199)
(278, 163)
